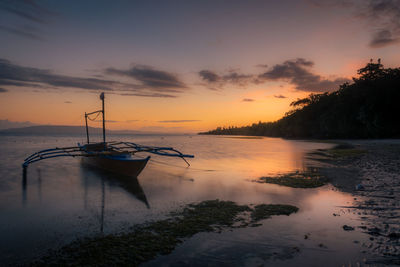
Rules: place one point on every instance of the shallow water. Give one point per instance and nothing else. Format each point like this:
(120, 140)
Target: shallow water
(64, 200)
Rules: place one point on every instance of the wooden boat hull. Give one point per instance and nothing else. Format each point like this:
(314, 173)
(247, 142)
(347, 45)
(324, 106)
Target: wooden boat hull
(121, 165)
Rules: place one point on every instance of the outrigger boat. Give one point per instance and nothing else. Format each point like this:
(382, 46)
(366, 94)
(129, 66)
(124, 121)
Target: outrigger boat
(118, 157)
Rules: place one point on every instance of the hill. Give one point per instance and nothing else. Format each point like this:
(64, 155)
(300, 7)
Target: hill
(6, 124)
(52, 130)
(66, 130)
(366, 108)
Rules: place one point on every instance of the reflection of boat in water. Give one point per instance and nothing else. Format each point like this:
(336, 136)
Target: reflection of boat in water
(90, 177)
(128, 183)
(119, 157)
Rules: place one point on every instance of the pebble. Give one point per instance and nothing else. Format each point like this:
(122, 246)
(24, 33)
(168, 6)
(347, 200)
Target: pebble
(359, 187)
(348, 228)
(394, 235)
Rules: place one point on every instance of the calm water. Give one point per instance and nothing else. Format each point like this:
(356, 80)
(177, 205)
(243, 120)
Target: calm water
(64, 200)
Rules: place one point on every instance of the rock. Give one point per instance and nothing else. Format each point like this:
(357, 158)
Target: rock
(359, 187)
(394, 235)
(348, 228)
(374, 231)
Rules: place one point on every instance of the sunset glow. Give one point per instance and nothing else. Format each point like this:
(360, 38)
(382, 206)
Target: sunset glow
(184, 66)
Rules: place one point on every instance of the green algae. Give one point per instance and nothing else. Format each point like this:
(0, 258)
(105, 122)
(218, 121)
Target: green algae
(340, 151)
(311, 178)
(308, 179)
(344, 153)
(147, 241)
(264, 211)
(244, 137)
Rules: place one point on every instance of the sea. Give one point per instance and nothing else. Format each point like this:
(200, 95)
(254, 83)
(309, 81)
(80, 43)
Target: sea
(64, 200)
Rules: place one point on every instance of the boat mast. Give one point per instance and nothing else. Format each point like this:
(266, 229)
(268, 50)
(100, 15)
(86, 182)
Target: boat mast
(104, 124)
(87, 129)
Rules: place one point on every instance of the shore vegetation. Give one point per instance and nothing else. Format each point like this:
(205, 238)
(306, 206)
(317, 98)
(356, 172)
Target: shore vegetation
(365, 108)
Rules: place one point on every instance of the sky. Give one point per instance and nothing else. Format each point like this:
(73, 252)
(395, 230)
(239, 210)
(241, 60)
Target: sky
(183, 66)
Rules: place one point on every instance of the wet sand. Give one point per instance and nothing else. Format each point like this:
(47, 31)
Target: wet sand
(373, 178)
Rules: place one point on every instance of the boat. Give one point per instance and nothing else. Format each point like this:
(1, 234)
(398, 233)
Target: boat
(121, 162)
(115, 156)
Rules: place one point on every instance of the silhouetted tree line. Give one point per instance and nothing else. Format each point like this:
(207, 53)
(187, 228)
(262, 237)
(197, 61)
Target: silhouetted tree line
(366, 108)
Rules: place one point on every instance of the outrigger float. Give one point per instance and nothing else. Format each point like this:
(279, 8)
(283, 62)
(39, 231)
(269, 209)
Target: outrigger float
(118, 157)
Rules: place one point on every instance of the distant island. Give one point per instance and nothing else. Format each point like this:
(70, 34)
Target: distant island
(6, 124)
(51, 130)
(369, 107)
(67, 130)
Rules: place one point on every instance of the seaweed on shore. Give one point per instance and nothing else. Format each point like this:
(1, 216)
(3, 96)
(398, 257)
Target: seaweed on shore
(312, 178)
(340, 151)
(264, 211)
(244, 137)
(147, 241)
(296, 179)
(346, 152)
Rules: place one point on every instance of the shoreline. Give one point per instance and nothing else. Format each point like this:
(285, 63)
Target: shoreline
(373, 178)
(315, 139)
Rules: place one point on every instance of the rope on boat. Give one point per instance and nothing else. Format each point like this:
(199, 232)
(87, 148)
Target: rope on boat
(98, 114)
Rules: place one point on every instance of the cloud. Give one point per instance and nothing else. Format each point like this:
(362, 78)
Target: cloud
(332, 3)
(27, 11)
(216, 81)
(22, 32)
(178, 121)
(237, 78)
(161, 129)
(149, 95)
(108, 121)
(112, 121)
(116, 121)
(248, 100)
(151, 86)
(382, 16)
(383, 38)
(280, 96)
(15, 83)
(263, 66)
(2, 90)
(150, 77)
(24, 76)
(67, 102)
(298, 72)
(209, 76)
